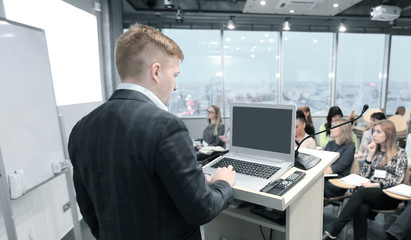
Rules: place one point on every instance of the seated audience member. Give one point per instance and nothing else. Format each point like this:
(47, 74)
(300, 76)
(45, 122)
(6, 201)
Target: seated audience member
(343, 144)
(333, 114)
(309, 128)
(385, 166)
(400, 110)
(300, 133)
(367, 135)
(212, 132)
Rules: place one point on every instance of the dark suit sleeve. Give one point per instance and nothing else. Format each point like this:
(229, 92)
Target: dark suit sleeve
(82, 195)
(184, 180)
(85, 205)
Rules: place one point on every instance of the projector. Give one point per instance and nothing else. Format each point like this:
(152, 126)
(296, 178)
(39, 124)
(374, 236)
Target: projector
(385, 13)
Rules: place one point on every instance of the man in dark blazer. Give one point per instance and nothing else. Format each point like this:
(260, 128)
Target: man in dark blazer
(135, 169)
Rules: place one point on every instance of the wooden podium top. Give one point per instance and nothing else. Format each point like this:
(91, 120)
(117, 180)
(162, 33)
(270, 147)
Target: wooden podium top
(337, 183)
(396, 196)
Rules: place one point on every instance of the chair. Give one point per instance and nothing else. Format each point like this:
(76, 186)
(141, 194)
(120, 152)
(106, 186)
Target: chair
(401, 205)
(339, 200)
(400, 125)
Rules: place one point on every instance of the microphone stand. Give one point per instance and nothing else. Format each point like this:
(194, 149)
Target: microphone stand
(302, 161)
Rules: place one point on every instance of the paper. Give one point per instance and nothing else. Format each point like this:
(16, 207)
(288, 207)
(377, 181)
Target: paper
(210, 149)
(401, 189)
(354, 180)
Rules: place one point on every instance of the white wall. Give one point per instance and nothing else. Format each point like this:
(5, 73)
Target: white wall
(38, 215)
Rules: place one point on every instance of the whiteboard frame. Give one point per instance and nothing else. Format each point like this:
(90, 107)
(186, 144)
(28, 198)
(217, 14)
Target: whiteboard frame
(6, 203)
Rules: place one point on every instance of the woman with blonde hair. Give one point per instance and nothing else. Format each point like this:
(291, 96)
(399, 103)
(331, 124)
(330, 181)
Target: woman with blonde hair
(384, 166)
(212, 132)
(342, 143)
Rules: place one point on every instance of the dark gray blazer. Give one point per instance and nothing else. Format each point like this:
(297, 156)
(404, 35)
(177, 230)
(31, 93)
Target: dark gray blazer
(136, 174)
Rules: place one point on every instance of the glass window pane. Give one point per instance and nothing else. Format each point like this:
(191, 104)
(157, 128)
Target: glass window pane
(199, 83)
(306, 72)
(359, 71)
(72, 41)
(399, 83)
(250, 66)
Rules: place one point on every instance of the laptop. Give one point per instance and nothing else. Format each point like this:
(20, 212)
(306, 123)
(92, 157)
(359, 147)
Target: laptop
(262, 134)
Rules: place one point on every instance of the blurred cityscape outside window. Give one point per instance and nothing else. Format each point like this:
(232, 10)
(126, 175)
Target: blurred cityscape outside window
(200, 81)
(359, 71)
(307, 59)
(399, 84)
(251, 61)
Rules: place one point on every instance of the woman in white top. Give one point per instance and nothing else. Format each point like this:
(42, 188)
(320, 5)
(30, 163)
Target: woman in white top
(300, 133)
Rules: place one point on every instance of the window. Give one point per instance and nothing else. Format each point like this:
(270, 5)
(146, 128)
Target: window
(72, 41)
(200, 81)
(306, 70)
(399, 74)
(250, 67)
(359, 71)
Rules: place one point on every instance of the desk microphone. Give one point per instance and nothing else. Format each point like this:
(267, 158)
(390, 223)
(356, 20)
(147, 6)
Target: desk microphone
(305, 161)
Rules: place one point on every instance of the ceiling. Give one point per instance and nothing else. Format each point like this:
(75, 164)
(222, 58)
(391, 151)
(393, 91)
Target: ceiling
(309, 15)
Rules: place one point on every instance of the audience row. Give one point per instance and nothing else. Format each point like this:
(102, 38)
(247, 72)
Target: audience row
(385, 164)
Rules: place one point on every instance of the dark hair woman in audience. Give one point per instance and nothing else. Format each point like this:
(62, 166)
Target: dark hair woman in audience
(385, 166)
(367, 135)
(309, 128)
(333, 114)
(343, 144)
(212, 131)
(300, 134)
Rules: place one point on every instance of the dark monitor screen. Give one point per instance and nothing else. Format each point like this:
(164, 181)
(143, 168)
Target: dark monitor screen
(267, 129)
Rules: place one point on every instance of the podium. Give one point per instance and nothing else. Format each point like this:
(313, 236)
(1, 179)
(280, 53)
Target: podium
(303, 206)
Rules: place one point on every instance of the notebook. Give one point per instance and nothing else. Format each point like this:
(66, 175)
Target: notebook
(261, 133)
(401, 189)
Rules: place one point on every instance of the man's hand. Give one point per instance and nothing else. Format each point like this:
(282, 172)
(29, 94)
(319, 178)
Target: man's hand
(226, 173)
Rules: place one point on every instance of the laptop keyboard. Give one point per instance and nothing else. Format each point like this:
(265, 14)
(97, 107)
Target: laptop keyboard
(248, 168)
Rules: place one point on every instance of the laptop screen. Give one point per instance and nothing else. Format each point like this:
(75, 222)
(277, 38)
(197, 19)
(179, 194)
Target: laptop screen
(265, 127)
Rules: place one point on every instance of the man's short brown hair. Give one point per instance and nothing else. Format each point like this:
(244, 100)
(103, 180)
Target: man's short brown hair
(138, 46)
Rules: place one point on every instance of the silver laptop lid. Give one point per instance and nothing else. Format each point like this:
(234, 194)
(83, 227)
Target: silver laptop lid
(263, 129)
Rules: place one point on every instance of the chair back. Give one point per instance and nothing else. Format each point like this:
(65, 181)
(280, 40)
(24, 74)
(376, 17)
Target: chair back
(355, 167)
(407, 175)
(400, 125)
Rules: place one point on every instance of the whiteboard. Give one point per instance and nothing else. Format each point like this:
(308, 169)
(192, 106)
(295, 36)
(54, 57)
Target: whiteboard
(30, 137)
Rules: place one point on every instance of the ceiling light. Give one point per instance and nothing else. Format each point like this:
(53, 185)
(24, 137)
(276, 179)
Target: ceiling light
(286, 25)
(230, 24)
(179, 16)
(336, 5)
(262, 3)
(292, 11)
(342, 27)
(168, 3)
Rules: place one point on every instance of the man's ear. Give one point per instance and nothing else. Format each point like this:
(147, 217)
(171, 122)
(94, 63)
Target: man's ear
(154, 71)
